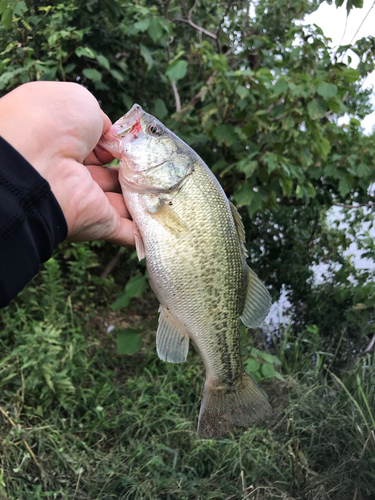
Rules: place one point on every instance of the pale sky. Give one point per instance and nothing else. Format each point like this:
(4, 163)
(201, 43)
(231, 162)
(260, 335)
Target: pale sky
(332, 21)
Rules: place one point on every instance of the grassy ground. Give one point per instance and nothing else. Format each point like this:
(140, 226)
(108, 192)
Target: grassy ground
(79, 421)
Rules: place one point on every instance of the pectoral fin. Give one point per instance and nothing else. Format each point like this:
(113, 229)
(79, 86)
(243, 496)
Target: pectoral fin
(170, 220)
(258, 301)
(139, 245)
(171, 344)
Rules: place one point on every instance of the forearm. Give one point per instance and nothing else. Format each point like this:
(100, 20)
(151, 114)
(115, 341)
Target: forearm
(32, 223)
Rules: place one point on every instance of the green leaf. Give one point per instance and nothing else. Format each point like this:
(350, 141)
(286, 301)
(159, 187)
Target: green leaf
(363, 170)
(351, 75)
(85, 51)
(243, 194)
(134, 288)
(117, 75)
(69, 68)
(299, 191)
(355, 122)
(326, 90)
(317, 108)
(243, 92)
(160, 108)
(268, 370)
(247, 167)
(219, 62)
(3, 6)
(286, 185)
(92, 74)
(176, 70)
(103, 61)
(19, 8)
(325, 146)
(252, 365)
(146, 54)
(225, 134)
(280, 87)
(334, 105)
(127, 100)
(123, 300)
(136, 285)
(345, 185)
(155, 30)
(129, 341)
(142, 25)
(272, 161)
(255, 203)
(270, 358)
(6, 18)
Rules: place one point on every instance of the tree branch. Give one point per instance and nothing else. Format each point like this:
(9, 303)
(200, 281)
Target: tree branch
(368, 350)
(369, 205)
(245, 19)
(198, 96)
(345, 98)
(176, 97)
(220, 26)
(111, 264)
(174, 85)
(313, 229)
(192, 23)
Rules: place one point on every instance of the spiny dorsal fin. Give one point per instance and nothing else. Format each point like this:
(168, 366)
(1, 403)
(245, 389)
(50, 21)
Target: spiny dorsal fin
(171, 344)
(258, 301)
(239, 228)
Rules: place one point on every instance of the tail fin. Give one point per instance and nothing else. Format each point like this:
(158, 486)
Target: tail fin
(225, 407)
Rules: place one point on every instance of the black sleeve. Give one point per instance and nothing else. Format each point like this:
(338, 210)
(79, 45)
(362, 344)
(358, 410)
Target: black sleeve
(32, 223)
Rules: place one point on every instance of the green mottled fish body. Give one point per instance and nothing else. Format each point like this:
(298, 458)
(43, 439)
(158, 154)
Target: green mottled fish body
(193, 240)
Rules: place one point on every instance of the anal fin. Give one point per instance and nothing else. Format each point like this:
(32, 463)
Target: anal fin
(171, 344)
(258, 301)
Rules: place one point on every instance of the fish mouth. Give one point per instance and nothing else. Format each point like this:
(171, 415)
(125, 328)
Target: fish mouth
(129, 123)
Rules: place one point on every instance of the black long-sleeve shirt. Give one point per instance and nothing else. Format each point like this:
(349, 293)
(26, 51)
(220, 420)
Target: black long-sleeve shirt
(32, 223)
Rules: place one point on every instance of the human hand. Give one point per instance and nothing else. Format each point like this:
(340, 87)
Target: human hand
(56, 126)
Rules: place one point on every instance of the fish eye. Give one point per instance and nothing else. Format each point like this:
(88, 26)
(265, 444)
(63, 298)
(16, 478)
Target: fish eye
(155, 129)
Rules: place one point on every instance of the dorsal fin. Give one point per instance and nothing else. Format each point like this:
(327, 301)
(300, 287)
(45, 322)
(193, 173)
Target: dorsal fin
(240, 229)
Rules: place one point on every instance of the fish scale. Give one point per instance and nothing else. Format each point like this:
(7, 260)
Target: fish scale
(193, 240)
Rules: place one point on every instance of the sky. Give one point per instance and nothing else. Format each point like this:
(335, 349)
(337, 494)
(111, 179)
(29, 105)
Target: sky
(332, 21)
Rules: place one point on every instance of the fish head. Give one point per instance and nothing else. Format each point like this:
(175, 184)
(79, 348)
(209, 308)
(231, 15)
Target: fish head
(140, 140)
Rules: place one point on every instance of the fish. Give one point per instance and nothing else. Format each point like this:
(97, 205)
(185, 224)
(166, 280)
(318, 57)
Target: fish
(193, 239)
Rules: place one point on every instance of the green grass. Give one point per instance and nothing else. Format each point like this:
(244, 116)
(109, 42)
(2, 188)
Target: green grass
(79, 421)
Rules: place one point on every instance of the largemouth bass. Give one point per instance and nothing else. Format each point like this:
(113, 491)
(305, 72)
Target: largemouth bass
(194, 243)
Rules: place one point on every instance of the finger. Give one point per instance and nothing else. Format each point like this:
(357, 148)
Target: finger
(124, 236)
(118, 203)
(98, 156)
(106, 123)
(106, 177)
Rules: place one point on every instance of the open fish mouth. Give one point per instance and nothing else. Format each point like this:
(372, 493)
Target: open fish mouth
(129, 123)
